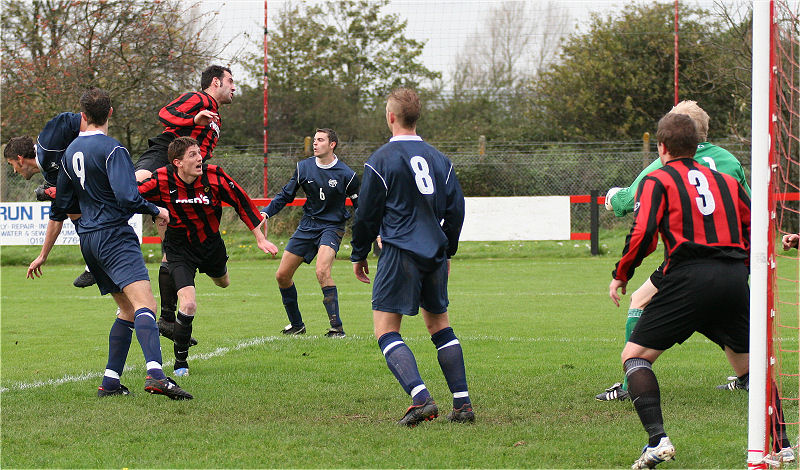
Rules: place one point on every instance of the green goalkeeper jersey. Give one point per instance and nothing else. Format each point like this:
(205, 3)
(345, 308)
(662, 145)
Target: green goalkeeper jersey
(708, 154)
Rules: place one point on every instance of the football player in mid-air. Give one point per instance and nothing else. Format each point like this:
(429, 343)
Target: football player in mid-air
(193, 114)
(410, 194)
(44, 157)
(621, 201)
(97, 173)
(193, 192)
(327, 182)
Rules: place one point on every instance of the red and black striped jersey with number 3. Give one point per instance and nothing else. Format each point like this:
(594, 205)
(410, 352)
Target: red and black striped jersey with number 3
(700, 213)
(196, 208)
(178, 117)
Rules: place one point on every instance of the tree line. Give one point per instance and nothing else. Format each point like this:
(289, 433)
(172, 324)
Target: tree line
(332, 63)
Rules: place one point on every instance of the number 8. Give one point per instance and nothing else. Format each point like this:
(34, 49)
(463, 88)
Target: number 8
(422, 175)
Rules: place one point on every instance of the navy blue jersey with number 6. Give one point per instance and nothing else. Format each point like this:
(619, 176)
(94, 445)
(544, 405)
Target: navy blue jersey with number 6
(327, 187)
(411, 197)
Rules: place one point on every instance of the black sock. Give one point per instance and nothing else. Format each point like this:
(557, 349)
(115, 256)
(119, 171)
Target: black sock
(451, 361)
(330, 299)
(168, 293)
(646, 397)
(183, 333)
(289, 298)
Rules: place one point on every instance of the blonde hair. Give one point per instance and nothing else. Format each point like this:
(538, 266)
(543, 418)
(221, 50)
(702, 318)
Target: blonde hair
(700, 117)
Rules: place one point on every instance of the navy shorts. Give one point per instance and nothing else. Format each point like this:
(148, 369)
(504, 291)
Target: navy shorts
(155, 156)
(306, 241)
(403, 284)
(184, 259)
(709, 296)
(114, 257)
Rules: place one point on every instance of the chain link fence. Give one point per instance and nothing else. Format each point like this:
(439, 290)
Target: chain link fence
(483, 169)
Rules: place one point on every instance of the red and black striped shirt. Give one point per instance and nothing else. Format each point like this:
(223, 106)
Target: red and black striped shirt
(700, 213)
(196, 208)
(178, 117)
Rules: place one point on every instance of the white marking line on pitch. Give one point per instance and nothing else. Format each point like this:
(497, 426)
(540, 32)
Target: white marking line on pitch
(221, 351)
(96, 375)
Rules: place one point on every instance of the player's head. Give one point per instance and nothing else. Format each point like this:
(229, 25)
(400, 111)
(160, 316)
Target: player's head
(217, 81)
(95, 106)
(325, 142)
(677, 135)
(700, 117)
(20, 153)
(184, 154)
(402, 106)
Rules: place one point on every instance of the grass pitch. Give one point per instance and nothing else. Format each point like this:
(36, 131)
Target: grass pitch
(540, 339)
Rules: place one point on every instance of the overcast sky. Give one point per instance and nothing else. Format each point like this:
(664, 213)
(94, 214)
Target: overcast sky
(446, 25)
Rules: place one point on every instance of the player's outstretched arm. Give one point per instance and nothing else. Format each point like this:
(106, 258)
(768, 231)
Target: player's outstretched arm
(622, 200)
(50, 236)
(263, 244)
(361, 269)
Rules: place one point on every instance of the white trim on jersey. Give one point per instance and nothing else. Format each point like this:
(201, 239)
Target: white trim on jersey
(350, 181)
(329, 165)
(447, 180)
(299, 179)
(112, 153)
(400, 138)
(379, 175)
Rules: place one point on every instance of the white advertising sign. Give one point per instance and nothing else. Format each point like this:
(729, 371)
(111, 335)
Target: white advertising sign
(25, 223)
(516, 218)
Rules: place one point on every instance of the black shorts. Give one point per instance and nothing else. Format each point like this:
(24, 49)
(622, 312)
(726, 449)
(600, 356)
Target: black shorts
(155, 156)
(708, 296)
(658, 276)
(184, 259)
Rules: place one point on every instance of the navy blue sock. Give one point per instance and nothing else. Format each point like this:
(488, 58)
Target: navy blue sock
(451, 360)
(330, 299)
(403, 365)
(646, 397)
(183, 333)
(167, 292)
(289, 297)
(119, 342)
(147, 334)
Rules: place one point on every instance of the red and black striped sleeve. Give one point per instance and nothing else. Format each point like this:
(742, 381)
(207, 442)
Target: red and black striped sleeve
(643, 237)
(233, 194)
(150, 190)
(181, 112)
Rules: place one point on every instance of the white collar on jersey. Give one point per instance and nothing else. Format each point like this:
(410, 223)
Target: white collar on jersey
(36, 152)
(329, 165)
(95, 132)
(405, 137)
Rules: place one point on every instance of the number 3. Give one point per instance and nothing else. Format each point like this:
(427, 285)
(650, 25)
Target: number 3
(705, 200)
(422, 175)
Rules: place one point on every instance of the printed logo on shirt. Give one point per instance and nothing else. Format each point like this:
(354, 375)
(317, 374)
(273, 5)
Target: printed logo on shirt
(332, 183)
(636, 207)
(194, 200)
(215, 127)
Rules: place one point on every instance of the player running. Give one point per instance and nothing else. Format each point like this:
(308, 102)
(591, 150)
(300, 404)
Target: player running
(193, 192)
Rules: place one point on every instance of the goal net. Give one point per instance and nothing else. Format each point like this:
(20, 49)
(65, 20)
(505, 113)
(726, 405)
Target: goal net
(775, 349)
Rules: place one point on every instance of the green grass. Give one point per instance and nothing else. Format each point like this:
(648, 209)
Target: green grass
(540, 339)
